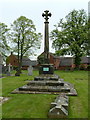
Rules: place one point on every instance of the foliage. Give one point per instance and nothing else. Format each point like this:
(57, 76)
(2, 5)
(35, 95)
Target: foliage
(89, 35)
(26, 40)
(4, 34)
(70, 37)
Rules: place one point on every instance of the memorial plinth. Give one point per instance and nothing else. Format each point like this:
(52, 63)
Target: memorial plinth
(46, 69)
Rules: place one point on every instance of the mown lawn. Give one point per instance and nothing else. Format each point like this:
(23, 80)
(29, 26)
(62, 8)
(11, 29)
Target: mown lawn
(38, 105)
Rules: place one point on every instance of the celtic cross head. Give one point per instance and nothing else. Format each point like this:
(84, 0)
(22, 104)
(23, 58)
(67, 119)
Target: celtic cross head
(46, 15)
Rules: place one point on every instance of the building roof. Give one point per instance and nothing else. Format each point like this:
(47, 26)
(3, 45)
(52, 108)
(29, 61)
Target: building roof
(85, 60)
(66, 61)
(26, 61)
(33, 63)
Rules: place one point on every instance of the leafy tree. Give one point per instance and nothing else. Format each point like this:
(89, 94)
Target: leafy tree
(4, 34)
(70, 37)
(24, 37)
(89, 34)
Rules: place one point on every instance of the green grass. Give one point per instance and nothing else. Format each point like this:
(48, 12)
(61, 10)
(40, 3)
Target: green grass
(38, 105)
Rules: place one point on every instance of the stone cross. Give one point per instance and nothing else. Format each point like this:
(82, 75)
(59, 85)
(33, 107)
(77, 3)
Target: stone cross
(9, 69)
(30, 70)
(46, 15)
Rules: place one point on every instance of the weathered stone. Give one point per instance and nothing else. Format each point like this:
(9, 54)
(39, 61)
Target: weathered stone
(46, 69)
(47, 77)
(3, 99)
(59, 108)
(9, 70)
(30, 70)
(58, 112)
(43, 83)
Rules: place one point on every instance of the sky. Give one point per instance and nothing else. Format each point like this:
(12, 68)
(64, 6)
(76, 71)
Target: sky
(10, 10)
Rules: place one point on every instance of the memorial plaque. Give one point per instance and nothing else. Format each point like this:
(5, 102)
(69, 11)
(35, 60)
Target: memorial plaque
(46, 69)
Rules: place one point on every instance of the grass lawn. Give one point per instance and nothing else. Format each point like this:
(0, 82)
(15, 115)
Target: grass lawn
(38, 105)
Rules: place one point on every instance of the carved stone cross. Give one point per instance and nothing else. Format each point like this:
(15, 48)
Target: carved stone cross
(9, 67)
(46, 15)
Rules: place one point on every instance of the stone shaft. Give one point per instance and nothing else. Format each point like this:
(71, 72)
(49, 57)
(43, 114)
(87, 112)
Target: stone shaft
(46, 43)
(46, 15)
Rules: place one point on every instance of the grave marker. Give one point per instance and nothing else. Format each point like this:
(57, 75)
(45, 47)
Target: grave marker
(9, 70)
(30, 70)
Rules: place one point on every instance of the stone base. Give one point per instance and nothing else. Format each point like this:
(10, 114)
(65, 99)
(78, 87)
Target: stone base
(47, 84)
(46, 77)
(46, 69)
(50, 84)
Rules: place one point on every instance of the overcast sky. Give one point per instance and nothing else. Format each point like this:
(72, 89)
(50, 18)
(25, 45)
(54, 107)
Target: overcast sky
(10, 10)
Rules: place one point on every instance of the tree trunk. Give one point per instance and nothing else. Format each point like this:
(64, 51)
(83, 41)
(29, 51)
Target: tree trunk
(77, 62)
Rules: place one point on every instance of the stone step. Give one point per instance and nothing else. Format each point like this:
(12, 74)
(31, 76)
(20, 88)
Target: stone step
(44, 88)
(45, 83)
(47, 77)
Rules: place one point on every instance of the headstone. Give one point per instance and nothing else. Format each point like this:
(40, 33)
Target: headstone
(9, 70)
(17, 72)
(30, 70)
(4, 69)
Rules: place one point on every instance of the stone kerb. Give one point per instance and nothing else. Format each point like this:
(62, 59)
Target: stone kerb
(59, 108)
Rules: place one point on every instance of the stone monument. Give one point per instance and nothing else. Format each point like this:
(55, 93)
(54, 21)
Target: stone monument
(49, 83)
(46, 68)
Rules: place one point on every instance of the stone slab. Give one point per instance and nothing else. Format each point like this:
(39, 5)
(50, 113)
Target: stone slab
(59, 108)
(46, 77)
(71, 93)
(45, 83)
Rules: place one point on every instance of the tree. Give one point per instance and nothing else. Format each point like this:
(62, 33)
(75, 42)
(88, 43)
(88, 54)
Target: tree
(24, 37)
(4, 34)
(70, 37)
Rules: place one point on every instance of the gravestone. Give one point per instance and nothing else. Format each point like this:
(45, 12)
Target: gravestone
(4, 69)
(30, 70)
(17, 72)
(9, 70)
